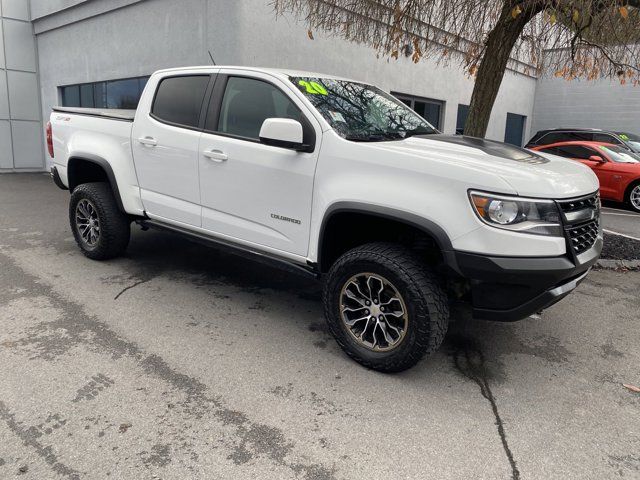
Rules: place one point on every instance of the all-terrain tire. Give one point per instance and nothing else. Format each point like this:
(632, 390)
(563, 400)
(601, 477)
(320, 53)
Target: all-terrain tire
(114, 225)
(426, 304)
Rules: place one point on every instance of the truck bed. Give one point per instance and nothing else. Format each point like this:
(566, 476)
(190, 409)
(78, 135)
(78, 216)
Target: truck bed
(116, 114)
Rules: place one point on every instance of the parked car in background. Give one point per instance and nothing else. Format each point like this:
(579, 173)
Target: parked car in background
(629, 141)
(617, 168)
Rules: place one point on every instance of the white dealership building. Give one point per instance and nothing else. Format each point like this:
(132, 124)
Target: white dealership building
(99, 53)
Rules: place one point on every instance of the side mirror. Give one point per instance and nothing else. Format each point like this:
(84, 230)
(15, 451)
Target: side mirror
(597, 158)
(282, 132)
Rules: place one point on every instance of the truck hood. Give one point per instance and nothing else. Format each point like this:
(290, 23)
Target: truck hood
(529, 173)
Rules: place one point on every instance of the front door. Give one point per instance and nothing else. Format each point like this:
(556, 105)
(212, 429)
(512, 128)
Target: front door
(258, 193)
(165, 149)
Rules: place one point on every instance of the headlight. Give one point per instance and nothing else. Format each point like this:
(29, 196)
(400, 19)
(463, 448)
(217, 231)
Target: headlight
(526, 215)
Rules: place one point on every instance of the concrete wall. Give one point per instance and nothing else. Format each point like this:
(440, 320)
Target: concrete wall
(21, 135)
(110, 39)
(598, 104)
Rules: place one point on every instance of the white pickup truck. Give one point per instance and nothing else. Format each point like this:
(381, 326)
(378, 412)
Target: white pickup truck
(339, 180)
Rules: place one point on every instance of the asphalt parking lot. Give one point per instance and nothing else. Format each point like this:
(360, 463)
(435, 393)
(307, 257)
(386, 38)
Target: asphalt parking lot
(617, 219)
(179, 362)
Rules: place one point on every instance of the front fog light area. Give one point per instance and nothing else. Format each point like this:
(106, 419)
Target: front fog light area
(534, 216)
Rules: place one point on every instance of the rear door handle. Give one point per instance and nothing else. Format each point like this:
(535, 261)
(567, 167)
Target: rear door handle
(148, 141)
(216, 155)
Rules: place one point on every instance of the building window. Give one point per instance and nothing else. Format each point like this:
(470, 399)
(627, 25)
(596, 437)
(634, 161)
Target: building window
(431, 110)
(461, 122)
(124, 93)
(514, 132)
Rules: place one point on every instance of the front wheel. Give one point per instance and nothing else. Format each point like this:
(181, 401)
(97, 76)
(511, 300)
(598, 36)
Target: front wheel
(100, 229)
(633, 197)
(384, 307)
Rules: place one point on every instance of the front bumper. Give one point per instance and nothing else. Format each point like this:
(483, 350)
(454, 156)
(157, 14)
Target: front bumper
(512, 288)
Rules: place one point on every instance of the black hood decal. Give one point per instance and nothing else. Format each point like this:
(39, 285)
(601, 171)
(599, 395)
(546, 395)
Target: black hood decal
(497, 149)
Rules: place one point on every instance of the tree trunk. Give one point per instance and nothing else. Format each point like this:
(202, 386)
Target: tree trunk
(499, 45)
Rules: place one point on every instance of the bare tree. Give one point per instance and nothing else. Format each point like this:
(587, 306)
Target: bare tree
(567, 38)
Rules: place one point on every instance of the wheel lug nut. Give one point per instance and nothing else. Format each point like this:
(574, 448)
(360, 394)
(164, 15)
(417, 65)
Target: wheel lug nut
(382, 309)
(368, 303)
(366, 312)
(381, 317)
(375, 301)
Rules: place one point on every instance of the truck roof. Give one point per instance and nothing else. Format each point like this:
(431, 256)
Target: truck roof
(281, 72)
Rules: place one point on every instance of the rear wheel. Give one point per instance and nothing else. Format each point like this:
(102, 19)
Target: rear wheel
(100, 229)
(384, 307)
(633, 197)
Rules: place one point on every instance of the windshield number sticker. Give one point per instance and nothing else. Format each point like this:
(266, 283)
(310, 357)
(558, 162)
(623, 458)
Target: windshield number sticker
(314, 88)
(624, 137)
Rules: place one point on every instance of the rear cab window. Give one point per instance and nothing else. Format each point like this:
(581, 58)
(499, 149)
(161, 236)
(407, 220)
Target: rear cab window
(178, 100)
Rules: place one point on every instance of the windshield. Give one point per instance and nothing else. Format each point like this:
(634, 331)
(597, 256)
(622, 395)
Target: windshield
(360, 112)
(620, 154)
(632, 140)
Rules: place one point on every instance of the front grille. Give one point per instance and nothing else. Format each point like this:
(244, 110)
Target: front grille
(583, 237)
(591, 202)
(582, 221)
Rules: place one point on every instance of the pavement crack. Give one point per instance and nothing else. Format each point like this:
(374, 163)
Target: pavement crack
(139, 282)
(469, 361)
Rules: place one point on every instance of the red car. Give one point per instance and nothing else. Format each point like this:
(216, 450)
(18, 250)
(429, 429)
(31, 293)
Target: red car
(617, 168)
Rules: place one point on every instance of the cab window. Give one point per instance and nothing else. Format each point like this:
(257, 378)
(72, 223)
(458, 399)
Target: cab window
(247, 103)
(178, 100)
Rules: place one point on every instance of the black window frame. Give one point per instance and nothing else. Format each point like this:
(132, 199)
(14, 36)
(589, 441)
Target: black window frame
(205, 101)
(214, 107)
(416, 98)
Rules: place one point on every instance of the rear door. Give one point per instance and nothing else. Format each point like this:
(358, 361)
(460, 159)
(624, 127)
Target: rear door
(250, 191)
(165, 140)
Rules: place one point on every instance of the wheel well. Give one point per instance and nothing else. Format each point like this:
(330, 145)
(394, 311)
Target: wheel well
(82, 170)
(346, 230)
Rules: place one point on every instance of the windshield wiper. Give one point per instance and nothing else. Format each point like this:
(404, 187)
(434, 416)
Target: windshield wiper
(413, 133)
(373, 137)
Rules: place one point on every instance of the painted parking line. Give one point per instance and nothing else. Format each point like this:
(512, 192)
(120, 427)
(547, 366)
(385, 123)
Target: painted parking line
(621, 209)
(620, 234)
(621, 214)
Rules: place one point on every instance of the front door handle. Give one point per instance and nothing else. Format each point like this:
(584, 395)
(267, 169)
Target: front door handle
(216, 155)
(148, 141)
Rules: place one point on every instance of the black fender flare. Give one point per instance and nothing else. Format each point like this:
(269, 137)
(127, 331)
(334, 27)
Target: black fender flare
(427, 226)
(102, 163)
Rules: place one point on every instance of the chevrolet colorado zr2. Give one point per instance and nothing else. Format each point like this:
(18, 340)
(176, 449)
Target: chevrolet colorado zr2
(338, 179)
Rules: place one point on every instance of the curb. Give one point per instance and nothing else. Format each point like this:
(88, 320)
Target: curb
(605, 264)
